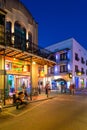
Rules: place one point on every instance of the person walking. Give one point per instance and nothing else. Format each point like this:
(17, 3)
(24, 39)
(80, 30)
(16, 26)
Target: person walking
(72, 88)
(47, 88)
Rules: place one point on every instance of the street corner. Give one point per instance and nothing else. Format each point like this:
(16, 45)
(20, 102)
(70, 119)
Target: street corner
(4, 116)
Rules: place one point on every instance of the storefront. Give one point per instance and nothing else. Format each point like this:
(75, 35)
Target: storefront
(17, 76)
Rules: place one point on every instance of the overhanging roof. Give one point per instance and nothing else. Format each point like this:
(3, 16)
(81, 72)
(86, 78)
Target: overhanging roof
(2, 11)
(24, 56)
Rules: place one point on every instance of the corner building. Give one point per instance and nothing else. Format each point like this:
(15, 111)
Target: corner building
(71, 63)
(19, 48)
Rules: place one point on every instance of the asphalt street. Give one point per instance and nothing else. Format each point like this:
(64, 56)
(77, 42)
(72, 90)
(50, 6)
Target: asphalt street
(64, 112)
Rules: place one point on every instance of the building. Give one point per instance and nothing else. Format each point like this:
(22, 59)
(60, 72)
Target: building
(20, 55)
(71, 63)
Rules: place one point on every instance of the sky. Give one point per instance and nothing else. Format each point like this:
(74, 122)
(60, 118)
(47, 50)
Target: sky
(59, 20)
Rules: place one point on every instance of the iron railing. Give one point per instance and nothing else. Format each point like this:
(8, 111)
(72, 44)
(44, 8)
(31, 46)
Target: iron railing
(28, 47)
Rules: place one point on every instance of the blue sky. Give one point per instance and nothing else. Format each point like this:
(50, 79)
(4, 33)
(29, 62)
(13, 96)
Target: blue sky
(59, 20)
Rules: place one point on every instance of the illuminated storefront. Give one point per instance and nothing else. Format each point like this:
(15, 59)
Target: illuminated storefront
(18, 75)
(19, 49)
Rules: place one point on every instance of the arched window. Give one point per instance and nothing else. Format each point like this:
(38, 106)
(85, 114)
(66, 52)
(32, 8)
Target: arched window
(30, 37)
(8, 32)
(2, 28)
(20, 36)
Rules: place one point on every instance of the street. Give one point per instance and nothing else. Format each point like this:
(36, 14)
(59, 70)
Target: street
(64, 112)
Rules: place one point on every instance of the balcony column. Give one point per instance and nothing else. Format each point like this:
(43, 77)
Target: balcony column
(34, 77)
(12, 31)
(46, 73)
(1, 74)
(26, 34)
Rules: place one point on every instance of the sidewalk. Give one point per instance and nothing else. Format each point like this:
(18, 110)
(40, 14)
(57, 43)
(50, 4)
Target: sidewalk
(10, 111)
(39, 97)
(43, 96)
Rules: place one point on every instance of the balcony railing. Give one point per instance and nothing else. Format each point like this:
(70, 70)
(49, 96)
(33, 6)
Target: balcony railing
(53, 72)
(28, 47)
(63, 61)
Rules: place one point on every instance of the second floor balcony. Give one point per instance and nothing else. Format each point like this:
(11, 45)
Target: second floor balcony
(61, 61)
(26, 46)
(53, 72)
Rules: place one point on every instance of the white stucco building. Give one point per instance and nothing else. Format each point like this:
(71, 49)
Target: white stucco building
(71, 62)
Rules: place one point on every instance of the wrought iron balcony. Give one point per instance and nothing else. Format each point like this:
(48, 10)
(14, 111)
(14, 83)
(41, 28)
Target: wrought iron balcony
(52, 71)
(27, 47)
(61, 61)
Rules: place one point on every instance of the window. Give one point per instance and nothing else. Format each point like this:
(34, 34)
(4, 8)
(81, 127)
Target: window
(86, 62)
(76, 57)
(30, 37)
(86, 72)
(63, 68)
(20, 36)
(2, 28)
(52, 70)
(76, 68)
(2, 19)
(63, 56)
(8, 32)
(82, 70)
(82, 60)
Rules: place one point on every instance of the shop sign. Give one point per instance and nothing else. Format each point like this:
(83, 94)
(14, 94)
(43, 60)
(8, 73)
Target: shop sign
(17, 67)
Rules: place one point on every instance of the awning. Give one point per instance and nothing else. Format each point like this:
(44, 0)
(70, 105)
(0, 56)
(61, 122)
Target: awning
(24, 56)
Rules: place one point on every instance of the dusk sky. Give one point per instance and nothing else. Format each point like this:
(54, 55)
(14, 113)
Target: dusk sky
(59, 20)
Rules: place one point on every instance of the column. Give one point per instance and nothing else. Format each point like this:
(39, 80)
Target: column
(34, 75)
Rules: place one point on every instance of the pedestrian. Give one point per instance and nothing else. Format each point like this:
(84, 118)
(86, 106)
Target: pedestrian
(39, 87)
(73, 89)
(62, 87)
(25, 95)
(47, 88)
(70, 88)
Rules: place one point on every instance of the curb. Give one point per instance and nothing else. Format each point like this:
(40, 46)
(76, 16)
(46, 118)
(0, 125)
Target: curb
(8, 106)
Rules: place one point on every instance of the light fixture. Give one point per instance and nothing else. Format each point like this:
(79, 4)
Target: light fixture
(14, 58)
(33, 62)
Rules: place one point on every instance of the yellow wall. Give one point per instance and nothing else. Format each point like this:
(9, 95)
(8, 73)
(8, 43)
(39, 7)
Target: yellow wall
(1, 76)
